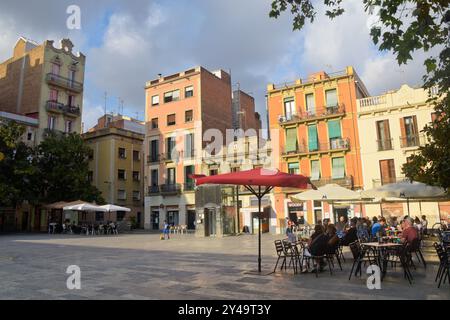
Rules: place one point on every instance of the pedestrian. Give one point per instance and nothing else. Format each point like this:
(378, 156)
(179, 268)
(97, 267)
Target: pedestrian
(166, 230)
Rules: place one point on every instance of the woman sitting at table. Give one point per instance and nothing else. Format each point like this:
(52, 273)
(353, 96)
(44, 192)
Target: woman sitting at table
(351, 235)
(317, 246)
(333, 239)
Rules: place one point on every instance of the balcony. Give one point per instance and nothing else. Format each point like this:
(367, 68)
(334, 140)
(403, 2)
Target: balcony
(153, 190)
(315, 115)
(189, 187)
(346, 182)
(170, 189)
(153, 159)
(170, 156)
(65, 83)
(336, 145)
(54, 106)
(384, 145)
(411, 141)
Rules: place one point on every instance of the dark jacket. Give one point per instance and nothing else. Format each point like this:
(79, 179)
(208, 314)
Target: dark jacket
(319, 245)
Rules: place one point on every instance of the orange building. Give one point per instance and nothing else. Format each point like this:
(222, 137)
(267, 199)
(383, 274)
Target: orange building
(316, 119)
(180, 108)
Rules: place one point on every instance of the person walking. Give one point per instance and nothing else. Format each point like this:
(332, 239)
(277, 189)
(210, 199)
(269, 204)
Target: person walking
(166, 230)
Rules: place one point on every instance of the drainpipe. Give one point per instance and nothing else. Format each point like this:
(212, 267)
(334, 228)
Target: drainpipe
(267, 117)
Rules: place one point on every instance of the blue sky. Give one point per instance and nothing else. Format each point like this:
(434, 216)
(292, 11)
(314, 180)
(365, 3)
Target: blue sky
(129, 42)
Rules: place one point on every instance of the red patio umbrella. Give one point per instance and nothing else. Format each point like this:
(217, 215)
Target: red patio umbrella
(254, 180)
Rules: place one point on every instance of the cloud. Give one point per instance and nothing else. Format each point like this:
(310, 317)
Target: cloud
(91, 113)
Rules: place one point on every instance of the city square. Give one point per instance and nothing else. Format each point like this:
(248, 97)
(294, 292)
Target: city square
(141, 266)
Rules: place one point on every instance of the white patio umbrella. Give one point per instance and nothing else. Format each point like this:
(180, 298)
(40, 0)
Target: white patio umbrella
(114, 208)
(84, 207)
(330, 193)
(406, 190)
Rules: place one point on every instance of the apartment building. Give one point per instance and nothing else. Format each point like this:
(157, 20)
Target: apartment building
(44, 82)
(390, 127)
(187, 118)
(316, 121)
(117, 165)
(244, 115)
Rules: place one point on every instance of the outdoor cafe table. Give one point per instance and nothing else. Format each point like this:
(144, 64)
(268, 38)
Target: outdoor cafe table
(380, 249)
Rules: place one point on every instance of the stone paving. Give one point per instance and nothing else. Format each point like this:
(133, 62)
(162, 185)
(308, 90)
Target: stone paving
(140, 266)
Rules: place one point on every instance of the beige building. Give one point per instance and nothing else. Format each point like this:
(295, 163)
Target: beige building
(117, 165)
(44, 82)
(390, 129)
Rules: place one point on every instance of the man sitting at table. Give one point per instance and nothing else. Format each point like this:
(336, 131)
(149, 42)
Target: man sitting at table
(378, 228)
(409, 233)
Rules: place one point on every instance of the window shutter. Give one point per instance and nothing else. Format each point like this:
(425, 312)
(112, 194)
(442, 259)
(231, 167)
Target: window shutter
(338, 167)
(415, 128)
(334, 129)
(312, 138)
(315, 170)
(402, 127)
(331, 98)
(291, 140)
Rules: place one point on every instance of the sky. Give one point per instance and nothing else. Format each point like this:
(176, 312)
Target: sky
(130, 42)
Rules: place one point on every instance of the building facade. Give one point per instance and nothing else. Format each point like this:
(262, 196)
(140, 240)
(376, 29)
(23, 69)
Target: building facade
(189, 118)
(117, 165)
(390, 127)
(46, 83)
(316, 124)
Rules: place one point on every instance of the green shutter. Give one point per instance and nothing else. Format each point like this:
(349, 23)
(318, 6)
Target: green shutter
(312, 138)
(334, 129)
(315, 170)
(338, 168)
(291, 140)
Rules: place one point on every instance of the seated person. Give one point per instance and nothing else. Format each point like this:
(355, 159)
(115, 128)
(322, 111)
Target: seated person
(317, 246)
(409, 233)
(378, 227)
(333, 239)
(340, 226)
(351, 235)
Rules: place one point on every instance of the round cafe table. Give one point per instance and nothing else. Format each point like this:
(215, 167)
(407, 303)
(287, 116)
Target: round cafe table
(381, 249)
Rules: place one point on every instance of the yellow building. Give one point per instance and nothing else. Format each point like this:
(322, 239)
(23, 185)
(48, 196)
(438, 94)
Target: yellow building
(44, 82)
(117, 165)
(390, 129)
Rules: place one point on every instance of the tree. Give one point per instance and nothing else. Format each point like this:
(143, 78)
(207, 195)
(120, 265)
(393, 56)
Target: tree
(403, 28)
(63, 166)
(16, 169)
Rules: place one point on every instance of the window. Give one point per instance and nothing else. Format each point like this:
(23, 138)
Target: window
(310, 104)
(53, 95)
(72, 74)
(315, 170)
(188, 181)
(136, 195)
(213, 172)
(51, 123)
(338, 168)
(189, 116)
(154, 151)
(136, 155)
(121, 175)
(90, 176)
(265, 201)
(68, 126)
(289, 108)
(387, 171)
(155, 123)
(155, 100)
(171, 178)
(56, 69)
(293, 168)
(172, 96)
(313, 140)
(291, 140)
(334, 134)
(235, 169)
(154, 178)
(171, 120)
(189, 146)
(122, 153)
(189, 92)
(29, 136)
(71, 101)
(409, 130)
(331, 98)
(383, 135)
(121, 195)
(136, 176)
(170, 148)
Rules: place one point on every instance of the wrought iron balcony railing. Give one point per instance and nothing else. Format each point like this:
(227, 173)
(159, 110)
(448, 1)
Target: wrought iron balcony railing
(64, 82)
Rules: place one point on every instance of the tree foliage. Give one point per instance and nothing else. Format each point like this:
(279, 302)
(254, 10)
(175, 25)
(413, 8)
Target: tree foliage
(404, 27)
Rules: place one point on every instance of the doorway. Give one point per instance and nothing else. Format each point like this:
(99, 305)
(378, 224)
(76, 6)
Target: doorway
(25, 216)
(210, 222)
(317, 215)
(154, 220)
(191, 219)
(340, 212)
(173, 218)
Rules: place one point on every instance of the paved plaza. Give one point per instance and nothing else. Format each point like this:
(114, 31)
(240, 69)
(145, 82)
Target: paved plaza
(140, 266)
